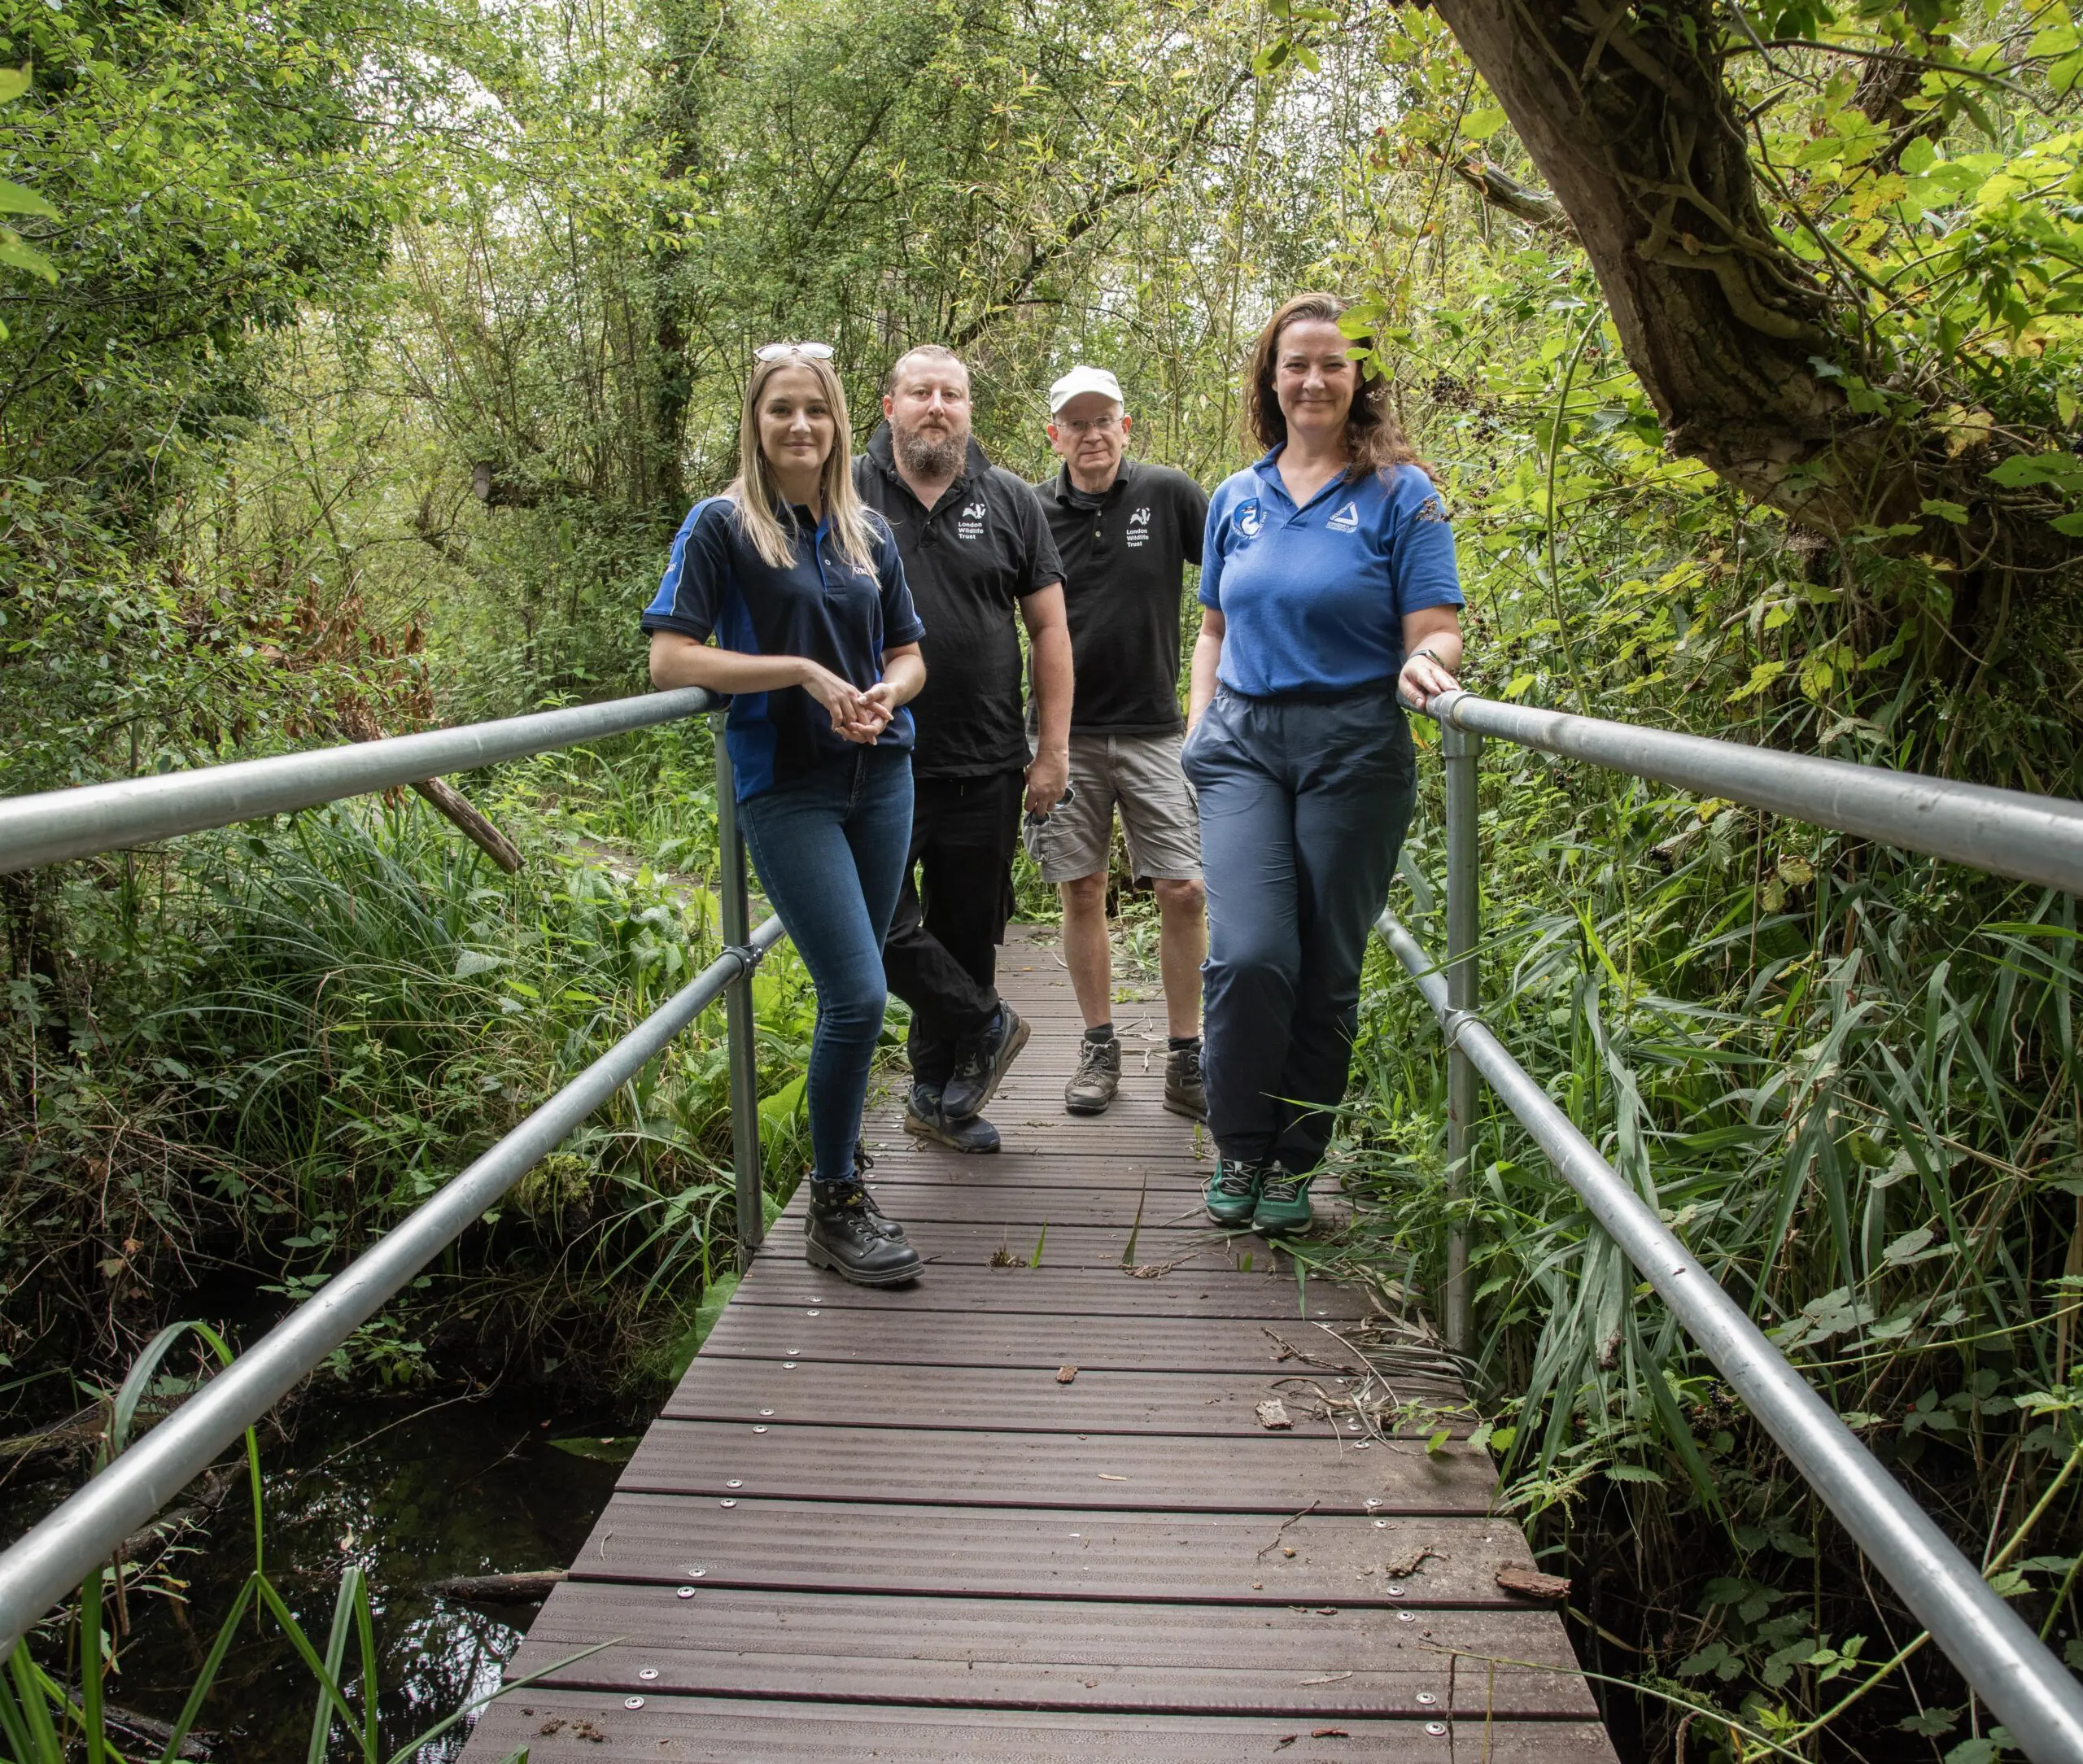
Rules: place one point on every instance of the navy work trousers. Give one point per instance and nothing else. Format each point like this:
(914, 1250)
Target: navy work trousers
(829, 848)
(1304, 804)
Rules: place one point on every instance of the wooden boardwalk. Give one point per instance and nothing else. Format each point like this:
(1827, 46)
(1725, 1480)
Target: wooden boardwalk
(892, 1525)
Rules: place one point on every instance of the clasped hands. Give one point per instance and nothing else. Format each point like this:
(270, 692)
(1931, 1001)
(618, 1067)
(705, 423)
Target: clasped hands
(856, 716)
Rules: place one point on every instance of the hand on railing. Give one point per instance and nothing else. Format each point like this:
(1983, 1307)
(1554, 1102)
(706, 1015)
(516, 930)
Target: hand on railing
(1423, 679)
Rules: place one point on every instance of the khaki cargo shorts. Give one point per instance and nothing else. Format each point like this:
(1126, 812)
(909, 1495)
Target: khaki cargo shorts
(1140, 774)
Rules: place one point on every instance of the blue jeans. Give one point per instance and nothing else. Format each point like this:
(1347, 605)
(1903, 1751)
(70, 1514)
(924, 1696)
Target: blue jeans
(1304, 804)
(830, 849)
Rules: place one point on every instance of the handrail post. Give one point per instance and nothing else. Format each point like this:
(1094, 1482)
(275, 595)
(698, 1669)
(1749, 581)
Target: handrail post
(738, 1029)
(1461, 751)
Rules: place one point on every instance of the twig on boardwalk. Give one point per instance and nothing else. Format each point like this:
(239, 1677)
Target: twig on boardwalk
(1289, 1350)
(1284, 1524)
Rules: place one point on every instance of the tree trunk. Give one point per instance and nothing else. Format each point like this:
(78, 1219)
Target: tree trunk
(1624, 109)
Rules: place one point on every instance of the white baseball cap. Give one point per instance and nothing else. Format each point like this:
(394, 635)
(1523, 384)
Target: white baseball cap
(1080, 380)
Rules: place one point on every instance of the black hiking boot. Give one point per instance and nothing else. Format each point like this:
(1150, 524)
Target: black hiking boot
(982, 1063)
(840, 1235)
(881, 1221)
(924, 1116)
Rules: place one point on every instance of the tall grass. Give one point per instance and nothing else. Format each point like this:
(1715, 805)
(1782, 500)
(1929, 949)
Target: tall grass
(284, 1038)
(1849, 1080)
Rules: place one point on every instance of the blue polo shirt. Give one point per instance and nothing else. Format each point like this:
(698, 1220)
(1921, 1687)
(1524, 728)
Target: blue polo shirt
(821, 606)
(1313, 599)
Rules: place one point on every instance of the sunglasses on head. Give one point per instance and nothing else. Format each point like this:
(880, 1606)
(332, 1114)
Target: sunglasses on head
(774, 351)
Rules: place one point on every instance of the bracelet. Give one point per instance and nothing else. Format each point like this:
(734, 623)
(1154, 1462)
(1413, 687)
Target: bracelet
(1430, 655)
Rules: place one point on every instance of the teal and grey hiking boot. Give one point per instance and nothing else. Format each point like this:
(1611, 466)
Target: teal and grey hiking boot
(1283, 1203)
(1232, 1194)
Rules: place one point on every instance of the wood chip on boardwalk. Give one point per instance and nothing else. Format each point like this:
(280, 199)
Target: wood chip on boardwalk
(1273, 1415)
(1527, 1583)
(1401, 1567)
(1065, 1373)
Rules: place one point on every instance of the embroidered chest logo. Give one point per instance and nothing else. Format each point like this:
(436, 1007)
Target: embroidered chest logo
(1347, 520)
(1139, 528)
(971, 523)
(1250, 518)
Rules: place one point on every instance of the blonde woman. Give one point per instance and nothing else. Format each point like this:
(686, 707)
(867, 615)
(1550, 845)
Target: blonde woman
(815, 636)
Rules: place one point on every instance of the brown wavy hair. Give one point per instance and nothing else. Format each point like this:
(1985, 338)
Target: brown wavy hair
(1374, 437)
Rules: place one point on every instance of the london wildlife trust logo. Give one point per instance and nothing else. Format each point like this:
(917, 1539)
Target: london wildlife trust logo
(1347, 520)
(971, 523)
(1250, 518)
(1139, 528)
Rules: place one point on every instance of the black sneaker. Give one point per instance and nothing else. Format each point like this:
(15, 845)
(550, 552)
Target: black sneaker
(881, 1221)
(982, 1063)
(840, 1236)
(924, 1116)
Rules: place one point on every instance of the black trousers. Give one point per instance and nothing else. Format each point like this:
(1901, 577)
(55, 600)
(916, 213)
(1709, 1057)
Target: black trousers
(941, 955)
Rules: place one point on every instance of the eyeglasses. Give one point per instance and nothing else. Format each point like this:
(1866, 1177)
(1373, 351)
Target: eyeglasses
(1082, 426)
(774, 351)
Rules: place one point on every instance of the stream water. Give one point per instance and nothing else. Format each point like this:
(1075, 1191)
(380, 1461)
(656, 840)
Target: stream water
(408, 1489)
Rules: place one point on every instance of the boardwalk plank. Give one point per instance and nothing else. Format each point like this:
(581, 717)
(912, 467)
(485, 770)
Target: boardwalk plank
(1211, 1558)
(878, 1525)
(592, 1727)
(945, 1338)
(1272, 1473)
(1023, 1399)
(1087, 1655)
(1188, 1292)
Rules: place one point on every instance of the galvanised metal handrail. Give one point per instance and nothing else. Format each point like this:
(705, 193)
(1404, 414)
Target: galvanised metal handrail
(56, 824)
(2005, 832)
(40, 1569)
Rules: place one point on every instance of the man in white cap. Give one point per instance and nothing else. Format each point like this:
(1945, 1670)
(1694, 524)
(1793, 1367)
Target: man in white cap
(1126, 532)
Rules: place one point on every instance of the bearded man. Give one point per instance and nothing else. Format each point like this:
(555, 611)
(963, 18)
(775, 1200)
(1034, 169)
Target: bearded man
(977, 550)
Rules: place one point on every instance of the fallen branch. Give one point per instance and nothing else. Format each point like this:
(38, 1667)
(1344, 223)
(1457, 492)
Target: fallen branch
(499, 1589)
(356, 723)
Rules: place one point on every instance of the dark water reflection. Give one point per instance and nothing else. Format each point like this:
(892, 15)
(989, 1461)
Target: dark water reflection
(409, 1493)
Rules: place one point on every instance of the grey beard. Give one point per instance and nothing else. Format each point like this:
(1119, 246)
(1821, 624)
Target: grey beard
(929, 459)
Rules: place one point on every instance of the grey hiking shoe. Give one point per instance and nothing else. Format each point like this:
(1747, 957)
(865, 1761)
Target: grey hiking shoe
(924, 1116)
(982, 1063)
(1098, 1077)
(1184, 1092)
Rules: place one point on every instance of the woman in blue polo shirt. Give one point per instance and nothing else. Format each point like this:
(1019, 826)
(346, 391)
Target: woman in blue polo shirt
(1329, 582)
(817, 644)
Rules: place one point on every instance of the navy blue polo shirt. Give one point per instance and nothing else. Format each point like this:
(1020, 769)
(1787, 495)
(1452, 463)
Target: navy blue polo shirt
(836, 613)
(1313, 599)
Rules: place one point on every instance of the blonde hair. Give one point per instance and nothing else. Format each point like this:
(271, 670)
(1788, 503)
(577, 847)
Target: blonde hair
(754, 491)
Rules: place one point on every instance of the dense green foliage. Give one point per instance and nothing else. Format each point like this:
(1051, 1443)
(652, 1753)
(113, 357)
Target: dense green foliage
(386, 348)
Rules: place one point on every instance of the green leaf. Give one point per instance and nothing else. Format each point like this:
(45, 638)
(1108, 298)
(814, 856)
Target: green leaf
(2021, 471)
(16, 199)
(1481, 124)
(14, 82)
(23, 256)
(1954, 512)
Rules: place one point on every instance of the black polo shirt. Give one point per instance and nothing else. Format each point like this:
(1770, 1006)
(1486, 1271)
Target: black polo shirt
(969, 561)
(1125, 555)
